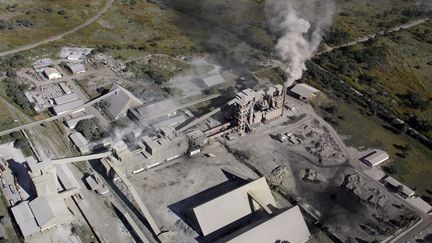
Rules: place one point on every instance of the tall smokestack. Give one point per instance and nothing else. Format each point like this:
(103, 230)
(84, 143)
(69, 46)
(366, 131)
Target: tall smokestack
(300, 24)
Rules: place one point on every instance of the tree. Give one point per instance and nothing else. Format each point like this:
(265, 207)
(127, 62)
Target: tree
(87, 127)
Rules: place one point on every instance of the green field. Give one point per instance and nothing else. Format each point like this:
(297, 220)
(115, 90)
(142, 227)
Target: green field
(356, 19)
(24, 22)
(413, 168)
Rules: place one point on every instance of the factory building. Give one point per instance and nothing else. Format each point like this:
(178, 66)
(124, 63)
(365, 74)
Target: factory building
(304, 92)
(51, 73)
(165, 146)
(48, 209)
(252, 108)
(121, 101)
(75, 68)
(247, 213)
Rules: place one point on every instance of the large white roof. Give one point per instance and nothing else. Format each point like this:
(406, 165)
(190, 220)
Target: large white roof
(49, 210)
(213, 80)
(377, 158)
(304, 90)
(60, 109)
(25, 219)
(288, 226)
(232, 206)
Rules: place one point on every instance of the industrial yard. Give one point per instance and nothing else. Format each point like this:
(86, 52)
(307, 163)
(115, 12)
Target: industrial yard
(253, 121)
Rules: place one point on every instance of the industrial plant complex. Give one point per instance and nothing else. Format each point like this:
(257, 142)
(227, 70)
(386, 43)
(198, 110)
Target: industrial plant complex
(219, 128)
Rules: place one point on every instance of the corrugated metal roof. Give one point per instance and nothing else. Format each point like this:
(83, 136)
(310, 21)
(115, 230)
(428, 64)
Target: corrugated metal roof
(377, 157)
(65, 98)
(304, 90)
(67, 106)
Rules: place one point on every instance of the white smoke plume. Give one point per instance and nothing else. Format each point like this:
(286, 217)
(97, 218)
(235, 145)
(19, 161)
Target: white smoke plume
(301, 24)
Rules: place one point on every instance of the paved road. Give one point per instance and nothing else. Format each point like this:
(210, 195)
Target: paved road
(60, 36)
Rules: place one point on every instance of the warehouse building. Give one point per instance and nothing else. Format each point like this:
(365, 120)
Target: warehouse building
(65, 99)
(66, 107)
(51, 73)
(48, 209)
(304, 92)
(248, 213)
(213, 80)
(396, 185)
(75, 68)
(375, 158)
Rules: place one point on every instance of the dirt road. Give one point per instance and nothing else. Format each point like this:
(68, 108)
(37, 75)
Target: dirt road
(57, 37)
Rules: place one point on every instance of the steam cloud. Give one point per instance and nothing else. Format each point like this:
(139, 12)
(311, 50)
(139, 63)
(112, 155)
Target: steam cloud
(301, 24)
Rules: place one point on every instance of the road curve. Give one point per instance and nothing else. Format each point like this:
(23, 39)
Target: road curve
(57, 37)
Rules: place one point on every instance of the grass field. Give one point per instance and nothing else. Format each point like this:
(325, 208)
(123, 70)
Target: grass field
(128, 29)
(396, 71)
(24, 22)
(362, 131)
(360, 18)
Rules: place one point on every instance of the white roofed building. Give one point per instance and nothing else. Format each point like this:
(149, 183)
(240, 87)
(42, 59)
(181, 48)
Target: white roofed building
(304, 91)
(288, 226)
(25, 219)
(248, 214)
(50, 210)
(66, 107)
(375, 158)
(51, 73)
(213, 80)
